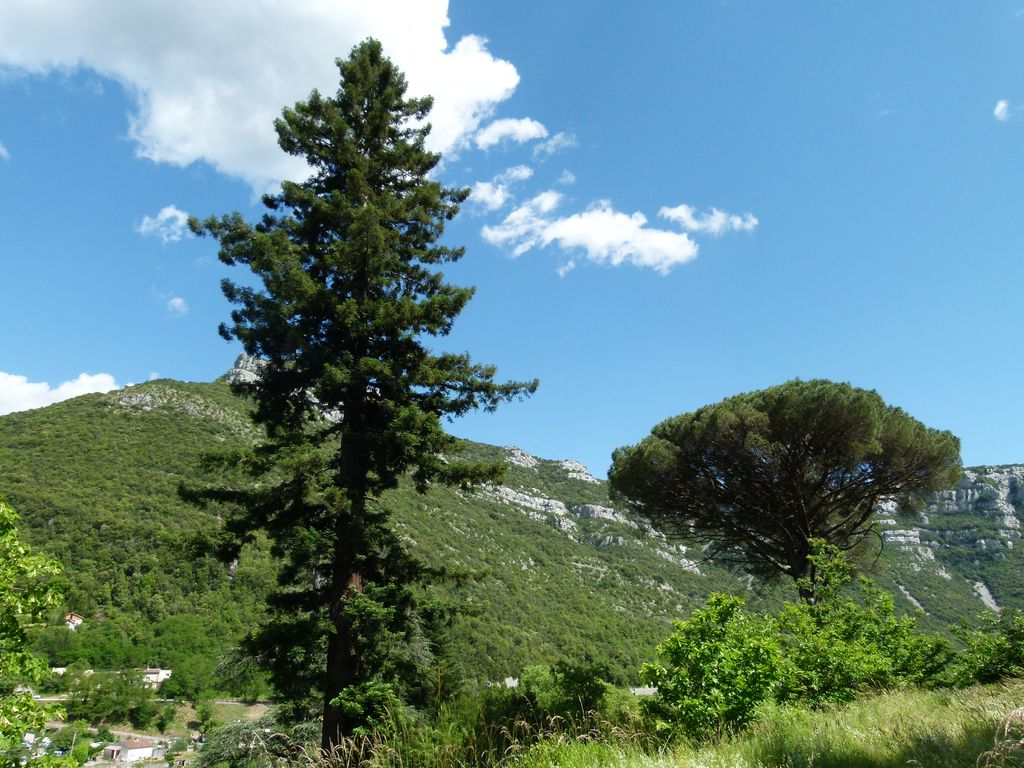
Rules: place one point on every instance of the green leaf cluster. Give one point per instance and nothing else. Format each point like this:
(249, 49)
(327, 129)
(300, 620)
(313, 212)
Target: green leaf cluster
(106, 698)
(993, 649)
(715, 669)
(28, 588)
(723, 662)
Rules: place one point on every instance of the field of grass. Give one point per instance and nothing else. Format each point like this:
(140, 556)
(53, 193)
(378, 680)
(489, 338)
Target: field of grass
(929, 729)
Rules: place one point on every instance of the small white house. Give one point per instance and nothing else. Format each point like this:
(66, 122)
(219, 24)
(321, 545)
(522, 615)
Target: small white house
(133, 750)
(154, 677)
(73, 620)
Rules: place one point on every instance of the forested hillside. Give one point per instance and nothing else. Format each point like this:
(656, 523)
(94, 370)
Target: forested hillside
(558, 573)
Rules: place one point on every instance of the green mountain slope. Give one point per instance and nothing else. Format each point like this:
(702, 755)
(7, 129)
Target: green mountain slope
(562, 574)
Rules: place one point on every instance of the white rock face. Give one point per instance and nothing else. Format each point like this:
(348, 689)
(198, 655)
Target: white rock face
(506, 495)
(602, 513)
(519, 457)
(684, 563)
(989, 495)
(606, 541)
(981, 590)
(902, 537)
(577, 471)
(246, 370)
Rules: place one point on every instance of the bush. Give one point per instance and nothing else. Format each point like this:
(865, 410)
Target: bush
(717, 667)
(844, 644)
(721, 663)
(993, 651)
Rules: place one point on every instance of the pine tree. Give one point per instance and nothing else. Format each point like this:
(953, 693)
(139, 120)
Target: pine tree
(350, 397)
(759, 476)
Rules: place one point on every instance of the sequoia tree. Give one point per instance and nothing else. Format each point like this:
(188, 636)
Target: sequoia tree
(345, 298)
(759, 475)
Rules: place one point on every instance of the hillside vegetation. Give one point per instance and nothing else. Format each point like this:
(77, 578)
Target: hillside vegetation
(558, 572)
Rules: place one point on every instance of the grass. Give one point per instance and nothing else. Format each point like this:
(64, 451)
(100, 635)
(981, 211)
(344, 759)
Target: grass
(926, 729)
(929, 729)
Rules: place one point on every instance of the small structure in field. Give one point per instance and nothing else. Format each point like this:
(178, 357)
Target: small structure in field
(133, 750)
(154, 676)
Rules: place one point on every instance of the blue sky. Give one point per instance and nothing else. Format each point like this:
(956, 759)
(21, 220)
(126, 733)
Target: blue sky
(674, 202)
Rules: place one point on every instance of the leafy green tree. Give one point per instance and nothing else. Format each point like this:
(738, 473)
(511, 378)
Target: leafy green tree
(28, 587)
(111, 697)
(350, 397)
(715, 669)
(165, 717)
(205, 716)
(759, 475)
(993, 649)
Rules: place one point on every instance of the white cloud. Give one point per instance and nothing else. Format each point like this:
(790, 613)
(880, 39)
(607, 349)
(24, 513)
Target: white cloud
(567, 178)
(490, 196)
(17, 393)
(523, 228)
(493, 194)
(515, 173)
(177, 306)
(169, 225)
(518, 130)
(209, 80)
(607, 236)
(604, 235)
(4, 154)
(556, 143)
(1002, 110)
(714, 223)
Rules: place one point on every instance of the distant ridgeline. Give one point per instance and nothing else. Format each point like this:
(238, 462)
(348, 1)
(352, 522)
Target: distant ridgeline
(562, 574)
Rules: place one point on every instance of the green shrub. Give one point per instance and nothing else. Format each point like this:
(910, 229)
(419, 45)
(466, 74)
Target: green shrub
(993, 651)
(716, 668)
(849, 641)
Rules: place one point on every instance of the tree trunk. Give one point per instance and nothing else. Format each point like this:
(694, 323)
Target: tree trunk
(342, 658)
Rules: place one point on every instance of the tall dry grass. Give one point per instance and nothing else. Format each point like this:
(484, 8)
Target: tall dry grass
(981, 726)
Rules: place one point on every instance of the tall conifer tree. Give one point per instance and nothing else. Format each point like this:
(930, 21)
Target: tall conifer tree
(349, 395)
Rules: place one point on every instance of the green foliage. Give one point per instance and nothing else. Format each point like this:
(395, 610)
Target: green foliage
(993, 649)
(111, 698)
(840, 645)
(165, 717)
(716, 669)
(28, 588)
(205, 716)
(722, 663)
(74, 740)
(757, 476)
(350, 397)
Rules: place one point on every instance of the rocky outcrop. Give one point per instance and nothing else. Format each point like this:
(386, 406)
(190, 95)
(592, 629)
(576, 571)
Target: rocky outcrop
(577, 471)
(246, 370)
(982, 513)
(519, 457)
(156, 396)
(981, 590)
(602, 513)
(506, 495)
